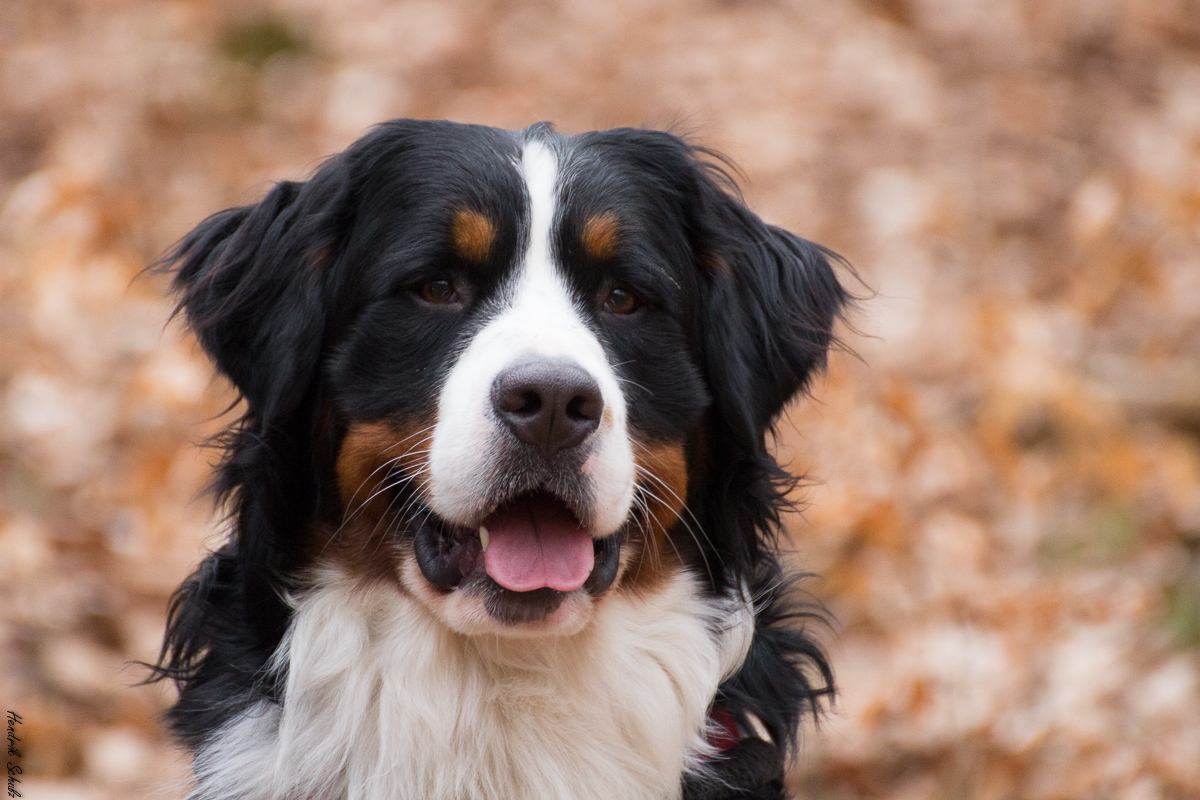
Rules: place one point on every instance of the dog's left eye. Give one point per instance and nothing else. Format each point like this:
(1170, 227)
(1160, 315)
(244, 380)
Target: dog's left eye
(439, 292)
(622, 301)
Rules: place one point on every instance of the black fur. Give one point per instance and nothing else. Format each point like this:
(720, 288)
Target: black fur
(304, 302)
(750, 770)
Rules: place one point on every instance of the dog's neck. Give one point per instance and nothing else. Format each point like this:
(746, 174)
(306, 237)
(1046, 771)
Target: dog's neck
(383, 701)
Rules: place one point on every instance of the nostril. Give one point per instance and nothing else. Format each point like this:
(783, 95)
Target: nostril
(523, 403)
(532, 404)
(585, 407)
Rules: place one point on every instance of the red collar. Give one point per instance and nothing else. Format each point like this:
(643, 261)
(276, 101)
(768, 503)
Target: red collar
(723, 732)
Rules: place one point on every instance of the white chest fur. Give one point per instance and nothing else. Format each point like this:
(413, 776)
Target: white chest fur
(382, 701)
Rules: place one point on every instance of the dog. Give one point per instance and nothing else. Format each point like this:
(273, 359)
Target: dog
(503, 518)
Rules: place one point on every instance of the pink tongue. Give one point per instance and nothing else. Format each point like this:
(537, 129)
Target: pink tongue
(536, 543)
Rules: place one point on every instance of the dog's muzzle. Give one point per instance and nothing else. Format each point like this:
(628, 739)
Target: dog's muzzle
(533, 547)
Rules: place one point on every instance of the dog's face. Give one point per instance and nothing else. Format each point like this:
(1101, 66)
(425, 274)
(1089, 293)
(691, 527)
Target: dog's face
(519, 379)
(514, 356)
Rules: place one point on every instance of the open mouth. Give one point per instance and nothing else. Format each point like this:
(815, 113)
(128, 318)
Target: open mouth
(524, 559)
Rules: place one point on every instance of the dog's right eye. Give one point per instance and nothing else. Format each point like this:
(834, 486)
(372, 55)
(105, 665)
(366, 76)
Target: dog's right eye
(622, 301)
(438, 292)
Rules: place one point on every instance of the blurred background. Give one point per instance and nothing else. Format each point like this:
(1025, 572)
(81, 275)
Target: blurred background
(1003, 492)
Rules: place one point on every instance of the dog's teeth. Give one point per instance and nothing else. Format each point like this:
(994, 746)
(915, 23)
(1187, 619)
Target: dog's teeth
(483, 537)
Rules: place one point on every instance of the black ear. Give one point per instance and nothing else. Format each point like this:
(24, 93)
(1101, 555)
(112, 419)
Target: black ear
(250, 285)
(767, 308)
(766, 305)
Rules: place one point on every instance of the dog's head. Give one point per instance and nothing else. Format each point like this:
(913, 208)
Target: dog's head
(511, 372)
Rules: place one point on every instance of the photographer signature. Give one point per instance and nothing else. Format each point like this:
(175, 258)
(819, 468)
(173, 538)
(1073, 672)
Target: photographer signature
(14, 769)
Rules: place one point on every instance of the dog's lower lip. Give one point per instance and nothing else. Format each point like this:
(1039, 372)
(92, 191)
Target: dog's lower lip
(447, 553)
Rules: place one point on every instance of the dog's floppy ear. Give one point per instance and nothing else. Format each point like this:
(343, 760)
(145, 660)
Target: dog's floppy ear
(767, 304)
(250, 285)
(767, 307)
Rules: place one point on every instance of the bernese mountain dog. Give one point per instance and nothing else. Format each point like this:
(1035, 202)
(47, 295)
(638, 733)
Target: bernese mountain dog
(503, 518)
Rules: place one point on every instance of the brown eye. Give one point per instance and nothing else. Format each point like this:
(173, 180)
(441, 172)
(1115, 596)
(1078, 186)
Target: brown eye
(621, 301)
(438, 292)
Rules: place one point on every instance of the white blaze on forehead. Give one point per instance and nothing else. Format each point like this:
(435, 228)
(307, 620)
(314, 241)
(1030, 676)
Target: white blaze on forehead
(540, 169)
(537, 318)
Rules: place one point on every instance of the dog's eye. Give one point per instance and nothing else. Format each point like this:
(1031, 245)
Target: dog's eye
(438, 292)
(622, 301)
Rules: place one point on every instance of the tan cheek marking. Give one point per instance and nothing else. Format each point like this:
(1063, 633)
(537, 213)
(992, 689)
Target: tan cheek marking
(663, 469)
(473, 235)
(600, 236)
(363, 471)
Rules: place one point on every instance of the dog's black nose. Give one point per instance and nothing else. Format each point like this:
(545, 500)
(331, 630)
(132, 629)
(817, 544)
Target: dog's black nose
(551, 405)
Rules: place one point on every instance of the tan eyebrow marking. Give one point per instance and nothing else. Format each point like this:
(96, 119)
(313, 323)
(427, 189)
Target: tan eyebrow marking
(599, 236)
(472, 234)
